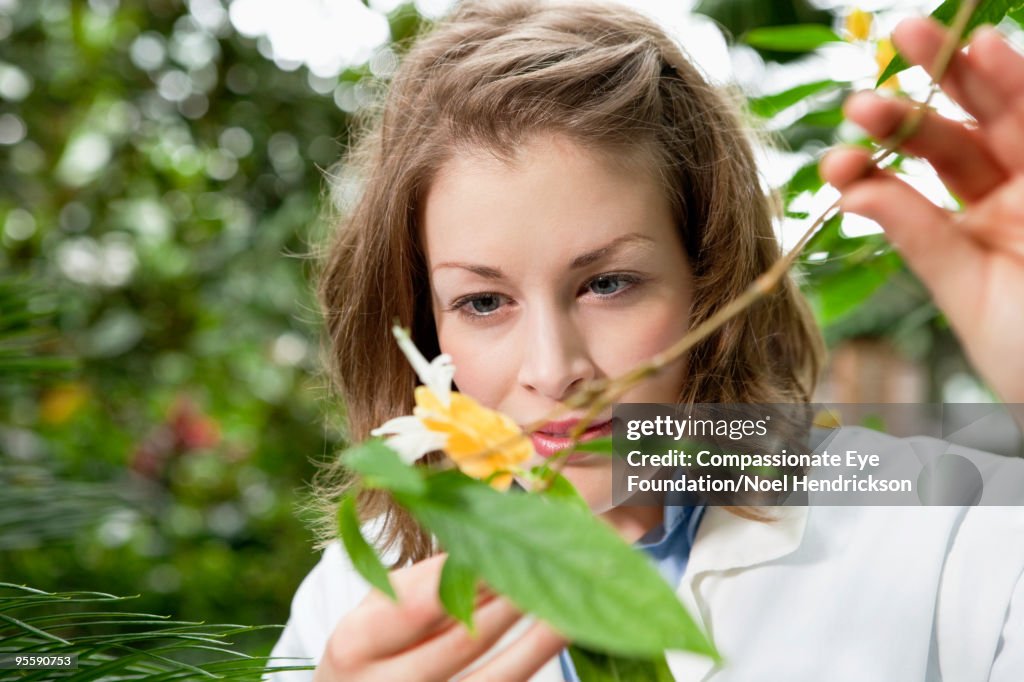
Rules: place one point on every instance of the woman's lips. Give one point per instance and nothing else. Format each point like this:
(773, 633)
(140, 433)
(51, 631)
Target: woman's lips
(554, 436)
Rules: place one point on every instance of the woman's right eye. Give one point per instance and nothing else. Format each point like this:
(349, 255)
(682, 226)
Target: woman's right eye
(479, 305)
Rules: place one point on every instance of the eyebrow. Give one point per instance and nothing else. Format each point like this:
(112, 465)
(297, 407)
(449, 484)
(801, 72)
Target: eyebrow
(580, 261)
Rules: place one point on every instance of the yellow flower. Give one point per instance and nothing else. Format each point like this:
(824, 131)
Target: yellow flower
(858, 24)
(62, 402)
(481, 441)
(883, 55)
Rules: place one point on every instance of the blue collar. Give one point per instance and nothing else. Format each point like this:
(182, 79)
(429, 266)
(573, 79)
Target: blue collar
(669, 543)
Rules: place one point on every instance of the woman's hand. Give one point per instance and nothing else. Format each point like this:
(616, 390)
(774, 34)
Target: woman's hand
(973, 262)
(414, 639)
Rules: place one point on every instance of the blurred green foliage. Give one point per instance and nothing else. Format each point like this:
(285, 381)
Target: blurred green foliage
(738, 17)
(160, 183)
(119, 644)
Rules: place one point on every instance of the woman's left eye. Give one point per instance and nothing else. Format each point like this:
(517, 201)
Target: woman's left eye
(606, 285)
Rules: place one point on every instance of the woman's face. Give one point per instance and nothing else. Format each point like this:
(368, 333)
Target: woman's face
(556, 270)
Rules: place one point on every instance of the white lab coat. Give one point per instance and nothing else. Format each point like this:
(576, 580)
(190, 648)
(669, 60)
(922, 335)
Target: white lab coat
(858, 594)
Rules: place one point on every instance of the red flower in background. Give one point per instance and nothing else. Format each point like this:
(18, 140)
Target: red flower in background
(185, 429)
(192, 429)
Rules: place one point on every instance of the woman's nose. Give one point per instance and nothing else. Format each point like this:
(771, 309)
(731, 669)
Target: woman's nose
(555, 357)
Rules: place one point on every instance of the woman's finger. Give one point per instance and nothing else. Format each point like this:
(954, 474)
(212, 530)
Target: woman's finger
(416, 615)
(1006, 136)
(451, 650)
(843, 166)
(1000, 64)
(988, 81)
(998, 61)
(920, 40)
(947, 260)
(521, 659)
(998, 222)
(959, 154)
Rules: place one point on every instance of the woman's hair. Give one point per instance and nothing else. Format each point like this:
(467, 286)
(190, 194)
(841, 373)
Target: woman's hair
(490, 76)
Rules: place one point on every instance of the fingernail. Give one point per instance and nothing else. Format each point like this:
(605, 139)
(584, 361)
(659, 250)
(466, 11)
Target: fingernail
(860, 94)
(899, 32)
(986, 32)
(854, 101)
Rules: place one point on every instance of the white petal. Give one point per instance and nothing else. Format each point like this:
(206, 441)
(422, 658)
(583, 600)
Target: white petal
(436, 375)
(410, 447)
(442, 373)
(410, 438)
(399, 425)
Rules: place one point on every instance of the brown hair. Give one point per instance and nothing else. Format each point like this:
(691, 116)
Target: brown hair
(492, 74)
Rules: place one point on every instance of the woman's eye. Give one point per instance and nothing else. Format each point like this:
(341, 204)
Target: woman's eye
(480, 304)
(605, 285)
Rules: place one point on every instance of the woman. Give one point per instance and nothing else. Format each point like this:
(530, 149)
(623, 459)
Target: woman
(553, 194)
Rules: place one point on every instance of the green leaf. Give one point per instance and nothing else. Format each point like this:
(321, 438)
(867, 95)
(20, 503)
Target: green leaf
(739, 16)
(405, 23)
(806, 179)
(987, 12)
(592, 666)
(559, 487)
(560, 563)
(826, 118)
(458, 590)
(381, 467)
(827, 236)
(896, 64)
(837, 295)
(796, 38)
(601, 446)
(364, 557)
(769, 105)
